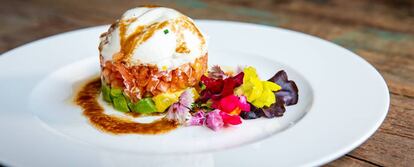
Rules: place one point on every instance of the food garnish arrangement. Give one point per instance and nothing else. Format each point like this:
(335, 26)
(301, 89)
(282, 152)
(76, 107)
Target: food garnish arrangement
(154, 63)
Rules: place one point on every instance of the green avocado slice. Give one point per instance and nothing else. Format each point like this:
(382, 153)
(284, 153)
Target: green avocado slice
(116, 92)
(120, 103)
(144, 106)
(106, 92)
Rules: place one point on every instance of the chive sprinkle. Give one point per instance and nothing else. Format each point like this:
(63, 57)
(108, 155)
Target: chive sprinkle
(166, 31)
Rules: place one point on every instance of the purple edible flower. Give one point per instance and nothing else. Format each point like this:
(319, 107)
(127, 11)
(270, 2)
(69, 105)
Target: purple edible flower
(214, 120)
(187, 98)
(216, 73)
(180, 111)
(198, 119)
(239, 69)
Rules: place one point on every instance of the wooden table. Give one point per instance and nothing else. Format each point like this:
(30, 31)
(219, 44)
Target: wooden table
(382, 32)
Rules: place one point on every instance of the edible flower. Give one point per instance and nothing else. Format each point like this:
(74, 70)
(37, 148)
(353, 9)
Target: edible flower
(217, 88)
(198, 119)
(232, 104)
(214, 120)
(218, 119)
(180, 111)
(164, 100)
(216, 73)
(258, 92)
(288, 95)
(230, 119)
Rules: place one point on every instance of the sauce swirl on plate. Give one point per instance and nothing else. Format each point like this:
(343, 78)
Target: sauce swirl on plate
(87, 98)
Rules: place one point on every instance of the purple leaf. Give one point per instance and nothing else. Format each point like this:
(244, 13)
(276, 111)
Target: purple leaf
(275, 110)
(289, 92)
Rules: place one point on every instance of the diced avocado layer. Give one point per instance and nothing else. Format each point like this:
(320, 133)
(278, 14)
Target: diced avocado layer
(122, 103)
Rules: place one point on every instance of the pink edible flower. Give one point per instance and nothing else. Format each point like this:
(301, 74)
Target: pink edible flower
(232, 104)
(217, 119)
(214, 120)
(230, 119)
(180, 111)
(187, 98)
(244, 106)
(198, 119)
(227, 104)
(239, 69)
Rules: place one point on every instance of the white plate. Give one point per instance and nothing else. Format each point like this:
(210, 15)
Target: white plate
(343, 100)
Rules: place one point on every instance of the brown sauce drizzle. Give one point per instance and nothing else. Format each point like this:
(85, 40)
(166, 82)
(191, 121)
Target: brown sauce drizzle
(87, 98)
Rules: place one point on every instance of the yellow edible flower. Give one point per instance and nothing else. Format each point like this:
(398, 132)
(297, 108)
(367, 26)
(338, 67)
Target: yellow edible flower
(259, 93)
(165, 100)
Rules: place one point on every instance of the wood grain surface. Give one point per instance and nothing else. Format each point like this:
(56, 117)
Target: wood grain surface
(381, 31)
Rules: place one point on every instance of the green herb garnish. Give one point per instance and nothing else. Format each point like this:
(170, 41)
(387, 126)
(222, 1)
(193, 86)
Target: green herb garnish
(166, 31)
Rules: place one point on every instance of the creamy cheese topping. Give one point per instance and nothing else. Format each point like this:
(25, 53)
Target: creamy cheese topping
(153, 36)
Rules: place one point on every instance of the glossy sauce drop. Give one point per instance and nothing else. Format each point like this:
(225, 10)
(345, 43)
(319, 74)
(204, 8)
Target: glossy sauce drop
(87, 98)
